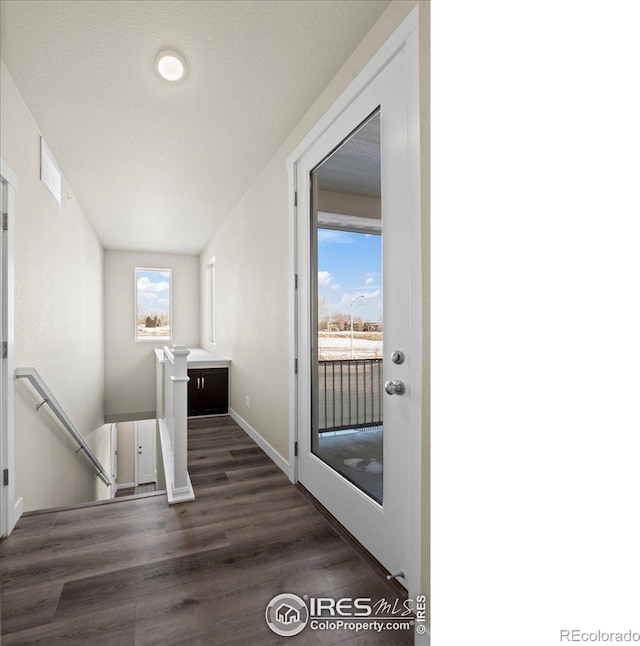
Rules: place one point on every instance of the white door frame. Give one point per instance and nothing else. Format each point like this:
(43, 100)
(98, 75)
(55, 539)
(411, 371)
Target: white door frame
(136, 465)
(113, 436)
(405, 34)
(10, 509)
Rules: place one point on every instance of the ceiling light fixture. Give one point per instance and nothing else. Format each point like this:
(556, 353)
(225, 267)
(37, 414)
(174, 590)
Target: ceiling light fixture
(170, 65)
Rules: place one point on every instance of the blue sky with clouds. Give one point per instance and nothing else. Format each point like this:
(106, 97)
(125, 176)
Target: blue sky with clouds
(350, 264)
(154, 290)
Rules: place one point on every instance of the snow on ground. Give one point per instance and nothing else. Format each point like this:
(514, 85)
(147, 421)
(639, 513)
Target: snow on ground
(339, 347)
(163, 332)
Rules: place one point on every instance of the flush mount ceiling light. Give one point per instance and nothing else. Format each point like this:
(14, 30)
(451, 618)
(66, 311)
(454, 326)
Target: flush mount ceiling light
(170, 65)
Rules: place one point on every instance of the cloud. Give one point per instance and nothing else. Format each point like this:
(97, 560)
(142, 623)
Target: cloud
(151, 299)
(335, 286)
(146, 286)
(371, 278)
(337, 237)
(324, 279)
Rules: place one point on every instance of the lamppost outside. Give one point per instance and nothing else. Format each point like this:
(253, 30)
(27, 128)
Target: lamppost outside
(352, 302)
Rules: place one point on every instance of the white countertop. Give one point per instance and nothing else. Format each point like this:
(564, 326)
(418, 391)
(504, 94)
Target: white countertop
(199, 357)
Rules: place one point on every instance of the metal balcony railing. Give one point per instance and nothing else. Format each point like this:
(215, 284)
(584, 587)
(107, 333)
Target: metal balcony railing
(349, 394)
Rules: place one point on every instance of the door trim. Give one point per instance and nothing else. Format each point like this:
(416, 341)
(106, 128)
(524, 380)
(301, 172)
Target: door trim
(395, 42)
(405, 35)
(113, 438)
(136, 465)
(10, 508)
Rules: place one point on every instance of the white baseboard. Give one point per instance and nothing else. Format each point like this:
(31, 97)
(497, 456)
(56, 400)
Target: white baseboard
(126, 485)
(261, 442)
(183, 494)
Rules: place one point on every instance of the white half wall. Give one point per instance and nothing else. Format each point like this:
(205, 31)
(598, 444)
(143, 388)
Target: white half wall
(130, 377)
(59, 322)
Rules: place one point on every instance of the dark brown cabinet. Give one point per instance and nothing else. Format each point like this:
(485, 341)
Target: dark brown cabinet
(208, 391)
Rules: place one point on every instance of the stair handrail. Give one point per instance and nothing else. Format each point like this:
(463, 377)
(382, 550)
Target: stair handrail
(31, 374)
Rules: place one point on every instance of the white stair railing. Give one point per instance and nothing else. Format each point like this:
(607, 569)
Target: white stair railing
(31, 374)
(172, 419)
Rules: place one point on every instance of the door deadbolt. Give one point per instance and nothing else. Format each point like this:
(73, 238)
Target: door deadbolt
(397, 356)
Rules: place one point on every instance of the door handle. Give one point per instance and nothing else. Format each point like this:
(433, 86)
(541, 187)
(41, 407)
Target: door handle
(394, 387)
(199, 378)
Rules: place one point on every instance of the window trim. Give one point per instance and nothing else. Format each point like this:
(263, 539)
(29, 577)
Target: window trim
(211, 288)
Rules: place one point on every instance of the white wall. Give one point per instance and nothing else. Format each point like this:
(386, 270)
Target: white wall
(251, 328)
(58, 323)
(130, 378)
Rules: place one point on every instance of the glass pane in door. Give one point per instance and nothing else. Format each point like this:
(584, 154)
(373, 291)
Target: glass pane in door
(347, 412)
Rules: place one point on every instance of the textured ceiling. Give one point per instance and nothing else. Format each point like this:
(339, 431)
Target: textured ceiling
(159, 165)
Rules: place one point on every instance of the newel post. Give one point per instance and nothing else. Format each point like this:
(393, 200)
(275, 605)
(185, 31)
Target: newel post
(179, 380)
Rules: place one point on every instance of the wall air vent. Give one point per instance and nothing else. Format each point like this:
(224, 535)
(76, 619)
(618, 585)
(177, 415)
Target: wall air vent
(49, 172)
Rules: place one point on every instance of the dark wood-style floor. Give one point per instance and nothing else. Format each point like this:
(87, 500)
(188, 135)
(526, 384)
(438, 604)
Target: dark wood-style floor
(133, 491)
(138, 572)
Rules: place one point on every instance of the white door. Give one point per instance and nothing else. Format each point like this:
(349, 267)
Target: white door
(3, 496)
(358, 266)
(146, 448)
